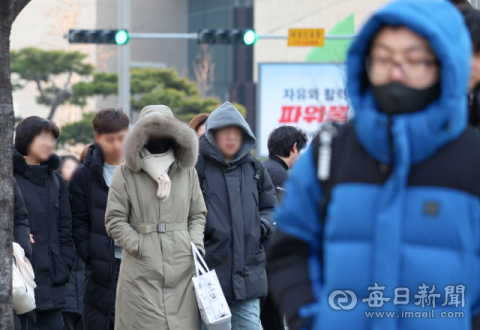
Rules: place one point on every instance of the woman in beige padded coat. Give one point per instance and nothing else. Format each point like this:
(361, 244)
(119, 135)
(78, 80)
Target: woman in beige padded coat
(155, 208)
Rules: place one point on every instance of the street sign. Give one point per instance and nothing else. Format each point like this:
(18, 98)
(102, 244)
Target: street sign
(306, 37)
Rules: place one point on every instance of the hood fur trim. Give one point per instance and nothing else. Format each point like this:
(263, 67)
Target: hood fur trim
(20, 165)
(186, 151)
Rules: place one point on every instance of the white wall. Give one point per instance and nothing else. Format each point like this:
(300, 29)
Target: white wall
(43, 24)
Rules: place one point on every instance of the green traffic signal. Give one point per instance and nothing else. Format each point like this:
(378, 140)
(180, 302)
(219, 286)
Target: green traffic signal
(121, 37)
(250, 37)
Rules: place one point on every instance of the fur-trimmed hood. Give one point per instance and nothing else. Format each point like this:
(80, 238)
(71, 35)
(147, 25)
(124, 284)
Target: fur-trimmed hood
(159, 119)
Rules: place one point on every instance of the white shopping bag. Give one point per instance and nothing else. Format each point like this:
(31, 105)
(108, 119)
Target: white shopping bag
(23, 283)
(211, 301)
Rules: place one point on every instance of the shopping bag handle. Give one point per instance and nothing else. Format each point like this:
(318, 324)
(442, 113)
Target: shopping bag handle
(200, 268)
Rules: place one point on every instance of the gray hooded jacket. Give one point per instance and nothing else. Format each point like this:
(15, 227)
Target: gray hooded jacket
(233, 233)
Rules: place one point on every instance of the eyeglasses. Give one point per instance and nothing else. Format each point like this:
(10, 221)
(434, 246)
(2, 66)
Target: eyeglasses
(379, 68)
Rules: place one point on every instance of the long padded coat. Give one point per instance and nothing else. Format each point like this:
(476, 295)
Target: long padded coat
(155, 289)
(50, 224)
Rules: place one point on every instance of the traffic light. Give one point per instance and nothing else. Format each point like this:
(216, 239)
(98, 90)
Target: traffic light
(116, 37)
(227, 37)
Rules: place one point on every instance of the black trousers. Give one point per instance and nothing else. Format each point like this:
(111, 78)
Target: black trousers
(42, 320)
(118, 262)
(72, 321)
(271, 317)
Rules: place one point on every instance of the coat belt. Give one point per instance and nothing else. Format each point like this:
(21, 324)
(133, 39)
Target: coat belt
(159, 227)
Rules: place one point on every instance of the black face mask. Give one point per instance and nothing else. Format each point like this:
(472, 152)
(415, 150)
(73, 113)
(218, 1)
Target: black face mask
(395, 98)
(160, 146)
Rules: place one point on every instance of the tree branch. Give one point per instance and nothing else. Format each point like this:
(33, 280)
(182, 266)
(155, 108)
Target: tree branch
(18, 7)
(69, 78)
(44, 95)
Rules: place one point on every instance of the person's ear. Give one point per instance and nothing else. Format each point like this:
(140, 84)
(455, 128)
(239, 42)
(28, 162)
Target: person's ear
(294, 149)
(95, 136)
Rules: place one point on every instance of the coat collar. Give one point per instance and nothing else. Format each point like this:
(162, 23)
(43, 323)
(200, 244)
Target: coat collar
(277, 159)
(37, 174)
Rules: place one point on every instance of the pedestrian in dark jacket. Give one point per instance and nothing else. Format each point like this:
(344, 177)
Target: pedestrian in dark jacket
(72, 315)
(285, 145)
(384, 208)
(240, 198)
(46, 200)
(88, 191)
(198, 123)
(472, 19)
(21, 230)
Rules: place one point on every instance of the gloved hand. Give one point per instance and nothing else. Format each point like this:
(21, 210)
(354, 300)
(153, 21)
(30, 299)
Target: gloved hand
(266, 230)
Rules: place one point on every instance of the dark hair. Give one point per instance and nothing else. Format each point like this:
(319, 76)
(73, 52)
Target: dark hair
(198, 121)
(472, 19)
(64, 159)
(29, 128)
(110, 120)
(460, 2)
(282, 140)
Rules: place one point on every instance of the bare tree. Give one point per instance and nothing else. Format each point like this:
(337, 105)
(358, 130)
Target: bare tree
(9, 10)
(204, 69)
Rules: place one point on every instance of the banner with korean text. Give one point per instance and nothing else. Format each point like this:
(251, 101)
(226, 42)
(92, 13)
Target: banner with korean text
(299, 94)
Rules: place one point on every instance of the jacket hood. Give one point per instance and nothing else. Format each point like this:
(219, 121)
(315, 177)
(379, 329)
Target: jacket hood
(94, 161)
(225, 116)
(94, 156)
(159, 119)
(416, 136)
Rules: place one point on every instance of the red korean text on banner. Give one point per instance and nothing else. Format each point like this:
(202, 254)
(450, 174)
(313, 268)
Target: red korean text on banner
(312, 114)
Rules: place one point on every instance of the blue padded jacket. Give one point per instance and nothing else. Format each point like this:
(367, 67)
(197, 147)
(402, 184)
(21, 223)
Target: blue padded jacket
(403, 207)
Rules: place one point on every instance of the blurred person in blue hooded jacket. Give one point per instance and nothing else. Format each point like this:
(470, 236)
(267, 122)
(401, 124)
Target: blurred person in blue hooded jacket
(383, 214)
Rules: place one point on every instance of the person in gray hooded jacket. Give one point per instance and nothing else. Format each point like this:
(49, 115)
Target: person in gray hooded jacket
(240, 198)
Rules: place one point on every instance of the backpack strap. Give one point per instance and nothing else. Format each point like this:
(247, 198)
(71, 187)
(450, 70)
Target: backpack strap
(56, 188)
(57, 183)
(259, 173)
(322, 146)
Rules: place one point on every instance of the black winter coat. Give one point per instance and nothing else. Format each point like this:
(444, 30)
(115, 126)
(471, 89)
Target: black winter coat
(233, 233)
(74, 287)
(50, 221)
(21, 231)
(88, 199)
(278, 171)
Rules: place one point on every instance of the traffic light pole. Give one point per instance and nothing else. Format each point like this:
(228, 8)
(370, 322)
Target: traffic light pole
(194, 36)
(124, 63)
(124, 59)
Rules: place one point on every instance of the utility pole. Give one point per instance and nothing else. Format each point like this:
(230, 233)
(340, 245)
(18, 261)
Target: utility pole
(124, 58)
